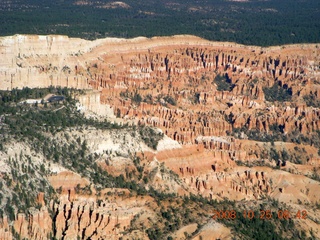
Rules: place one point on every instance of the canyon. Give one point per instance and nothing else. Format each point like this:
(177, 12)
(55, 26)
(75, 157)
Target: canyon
(240, 123)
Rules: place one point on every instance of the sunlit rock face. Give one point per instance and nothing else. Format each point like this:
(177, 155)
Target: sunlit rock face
(171, 83)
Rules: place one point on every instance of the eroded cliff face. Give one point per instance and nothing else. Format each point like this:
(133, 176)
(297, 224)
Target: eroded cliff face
(207, 97)
(85, 217)
(75, 216)
(180, 67)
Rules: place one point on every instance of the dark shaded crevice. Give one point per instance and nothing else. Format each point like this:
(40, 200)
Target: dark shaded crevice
(54, 220)
(100, 221)
(83, 233)
(79, 217)
(97, 217)
(67, 215)
(94, 233)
